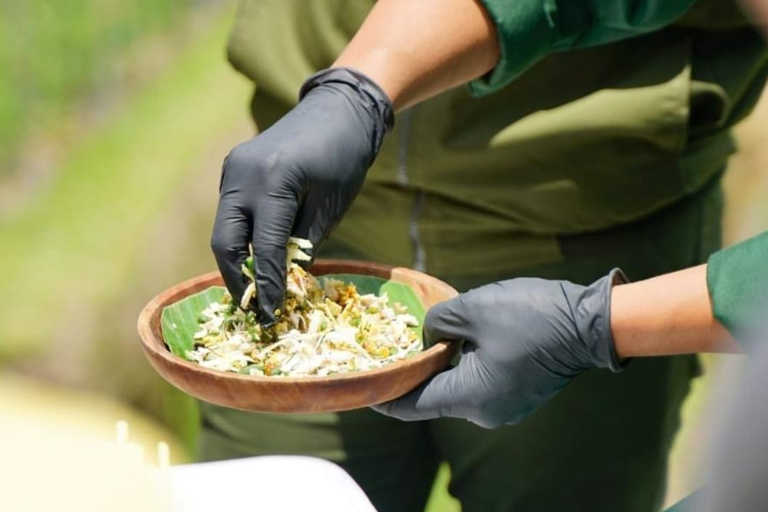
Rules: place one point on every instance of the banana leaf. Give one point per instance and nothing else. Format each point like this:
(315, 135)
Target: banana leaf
(179, 321)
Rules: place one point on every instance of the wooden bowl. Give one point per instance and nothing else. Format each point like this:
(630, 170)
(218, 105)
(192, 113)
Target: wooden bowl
(298, 394)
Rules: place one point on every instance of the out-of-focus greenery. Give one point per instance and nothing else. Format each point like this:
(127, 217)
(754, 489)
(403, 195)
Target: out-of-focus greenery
(75, 239)
(76, 251)
(52, 53)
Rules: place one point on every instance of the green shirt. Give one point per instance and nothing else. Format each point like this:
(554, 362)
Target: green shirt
(528, 30)
(737, 279)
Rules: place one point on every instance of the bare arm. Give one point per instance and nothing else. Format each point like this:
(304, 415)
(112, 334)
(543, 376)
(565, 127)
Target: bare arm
(759, 11)
(431, 46)
(672, 314)
(666, 315)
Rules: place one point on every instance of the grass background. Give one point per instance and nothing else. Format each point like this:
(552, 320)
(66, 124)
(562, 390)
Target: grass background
(54, 55)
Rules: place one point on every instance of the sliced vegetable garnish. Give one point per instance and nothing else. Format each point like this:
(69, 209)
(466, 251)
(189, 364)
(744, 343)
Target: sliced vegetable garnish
(335, 324)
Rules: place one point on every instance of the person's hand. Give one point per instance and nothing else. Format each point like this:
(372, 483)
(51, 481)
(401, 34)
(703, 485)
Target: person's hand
(297, 178)
(524, 339)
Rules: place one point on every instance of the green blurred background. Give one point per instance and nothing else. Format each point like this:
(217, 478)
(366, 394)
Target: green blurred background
(114, 119)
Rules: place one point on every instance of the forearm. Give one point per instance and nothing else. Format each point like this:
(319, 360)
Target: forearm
(666, 315)
(759, 11)
(415, 50)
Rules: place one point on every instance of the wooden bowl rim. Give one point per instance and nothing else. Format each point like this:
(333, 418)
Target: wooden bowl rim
(151, 314)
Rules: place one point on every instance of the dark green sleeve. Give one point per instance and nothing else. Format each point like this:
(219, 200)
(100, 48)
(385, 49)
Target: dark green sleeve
(528, 30)
(737, 279)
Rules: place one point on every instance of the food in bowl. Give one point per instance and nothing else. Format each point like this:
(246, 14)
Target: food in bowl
(325, 327)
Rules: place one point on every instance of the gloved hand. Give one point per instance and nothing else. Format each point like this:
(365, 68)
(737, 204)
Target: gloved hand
(524, 339)
(297, 178)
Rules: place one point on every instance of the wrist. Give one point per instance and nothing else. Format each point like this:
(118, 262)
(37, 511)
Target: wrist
(593, 312)
(380, 65)
(367, 95)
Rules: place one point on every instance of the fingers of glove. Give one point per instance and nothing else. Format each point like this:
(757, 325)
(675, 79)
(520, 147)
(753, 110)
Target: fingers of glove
(229, 242)
(448, 394)
(312, 221)
(322, 209)
(448, 320)
(272, 227)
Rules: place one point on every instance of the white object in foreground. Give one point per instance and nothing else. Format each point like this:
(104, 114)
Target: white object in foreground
(275, 482)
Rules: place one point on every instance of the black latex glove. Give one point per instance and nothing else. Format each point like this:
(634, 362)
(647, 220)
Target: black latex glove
(297, 178)
(524, 340)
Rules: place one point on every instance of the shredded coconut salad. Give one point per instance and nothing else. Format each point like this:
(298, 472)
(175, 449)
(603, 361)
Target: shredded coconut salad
(323, 329)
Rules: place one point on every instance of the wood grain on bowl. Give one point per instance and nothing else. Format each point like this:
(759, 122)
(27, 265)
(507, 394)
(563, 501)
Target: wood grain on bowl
(305, 394)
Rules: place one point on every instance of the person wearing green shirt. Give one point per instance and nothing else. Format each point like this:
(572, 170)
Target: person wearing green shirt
(591, 136)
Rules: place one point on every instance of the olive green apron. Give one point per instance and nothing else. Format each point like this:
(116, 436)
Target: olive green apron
(585, 140)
